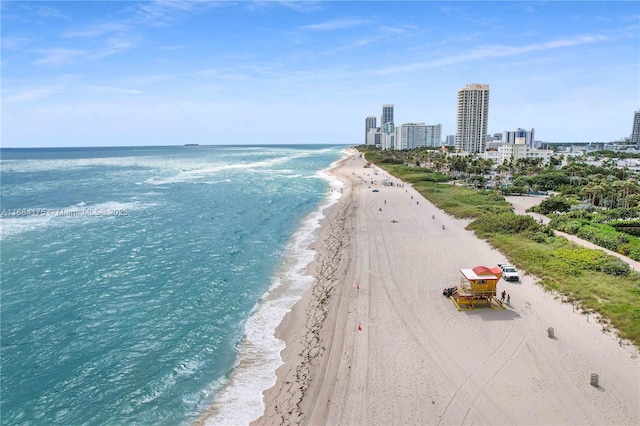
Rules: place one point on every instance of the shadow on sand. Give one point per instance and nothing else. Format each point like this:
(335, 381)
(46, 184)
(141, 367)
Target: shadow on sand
(487, 314)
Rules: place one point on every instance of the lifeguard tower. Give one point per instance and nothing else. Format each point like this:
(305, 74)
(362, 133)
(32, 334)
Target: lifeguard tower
(478, 287)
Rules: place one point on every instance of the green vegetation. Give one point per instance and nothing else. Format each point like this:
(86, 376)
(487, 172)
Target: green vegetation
(552, 205)
(603, 228)
(597, 281)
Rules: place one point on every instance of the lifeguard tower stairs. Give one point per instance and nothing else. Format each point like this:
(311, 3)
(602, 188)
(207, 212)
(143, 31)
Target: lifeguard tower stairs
(478, 288)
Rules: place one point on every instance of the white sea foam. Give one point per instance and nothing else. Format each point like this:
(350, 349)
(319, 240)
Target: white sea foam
(197, 172)
(241, 400)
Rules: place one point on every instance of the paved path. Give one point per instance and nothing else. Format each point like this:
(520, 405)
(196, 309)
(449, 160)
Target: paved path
(521, 204)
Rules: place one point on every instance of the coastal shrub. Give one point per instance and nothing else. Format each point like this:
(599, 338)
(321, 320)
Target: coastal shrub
(540, 237)
(505, 223)
(550, 180)
(612, 266)
(630, 249)
(625, 249)
(583, 259)
(514, 190)
(570, 222)
(433, 177)
(571, 227)
(583, 207)
(566, 224)
(391, 160)
(607, 215)
(603, 236)
(631, 227)
(552, 204)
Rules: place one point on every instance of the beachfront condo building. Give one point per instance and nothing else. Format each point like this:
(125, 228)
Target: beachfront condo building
(369, 123)
(635, 131)
(416, 135)
(473, 115)
(433, 135)
(387, 116)
(411, 135)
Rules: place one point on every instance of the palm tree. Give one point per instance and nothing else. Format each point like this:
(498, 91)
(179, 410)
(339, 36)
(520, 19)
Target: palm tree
(589, 191)
(629, 188)
(599, 190)
(497, 181)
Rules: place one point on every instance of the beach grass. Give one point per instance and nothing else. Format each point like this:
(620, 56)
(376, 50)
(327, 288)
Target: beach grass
(461, 202)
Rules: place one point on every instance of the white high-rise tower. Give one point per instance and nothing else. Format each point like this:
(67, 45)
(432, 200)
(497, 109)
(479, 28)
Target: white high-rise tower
(473, 114)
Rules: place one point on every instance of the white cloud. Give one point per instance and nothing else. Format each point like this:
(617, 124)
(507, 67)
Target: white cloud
(49, 12)
(112, 47)
(336, 24)
(116, 90)
(57, 56)
(28, 95)
(97, 30)
(494, 51)
(297, 5)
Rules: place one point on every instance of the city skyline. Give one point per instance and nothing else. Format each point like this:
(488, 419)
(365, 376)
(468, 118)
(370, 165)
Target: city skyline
(176, 72)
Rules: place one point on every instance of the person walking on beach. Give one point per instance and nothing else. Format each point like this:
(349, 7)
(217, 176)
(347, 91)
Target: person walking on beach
(508, 299)
(504, 294)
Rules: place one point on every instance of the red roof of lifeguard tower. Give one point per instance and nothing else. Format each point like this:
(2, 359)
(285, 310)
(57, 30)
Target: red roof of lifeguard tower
(482, 272)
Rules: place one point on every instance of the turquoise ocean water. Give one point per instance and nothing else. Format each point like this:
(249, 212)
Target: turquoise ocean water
(138, 283)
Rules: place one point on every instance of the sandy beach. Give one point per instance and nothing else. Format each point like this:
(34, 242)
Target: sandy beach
(374, 342)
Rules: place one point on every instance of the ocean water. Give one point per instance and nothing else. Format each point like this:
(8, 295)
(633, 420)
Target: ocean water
(143, 285)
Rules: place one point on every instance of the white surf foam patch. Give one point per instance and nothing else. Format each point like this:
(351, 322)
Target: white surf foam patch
(44, 165)
(241, 400)
(198, 172)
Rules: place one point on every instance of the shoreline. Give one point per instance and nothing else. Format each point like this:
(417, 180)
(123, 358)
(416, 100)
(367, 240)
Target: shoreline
(300, 329)
(258, 353)
(416, 359)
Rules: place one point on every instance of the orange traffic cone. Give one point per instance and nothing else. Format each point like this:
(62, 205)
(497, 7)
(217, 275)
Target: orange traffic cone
(359, 328)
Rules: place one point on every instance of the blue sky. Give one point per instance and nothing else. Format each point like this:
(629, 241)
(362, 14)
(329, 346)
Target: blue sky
(89, 73)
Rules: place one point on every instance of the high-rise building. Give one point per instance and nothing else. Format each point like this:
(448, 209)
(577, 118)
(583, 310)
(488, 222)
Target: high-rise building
(473, 115)
(450, 140)
(635, 131)
(433, 135)
(411, 135)
(387, 116)
(388, 140)
(369, 123)
(510, 136)
(374, 137)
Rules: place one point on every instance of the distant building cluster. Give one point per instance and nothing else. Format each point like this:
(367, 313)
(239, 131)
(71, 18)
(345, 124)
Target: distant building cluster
(404, 136)
(471, 132)
(471, 135)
